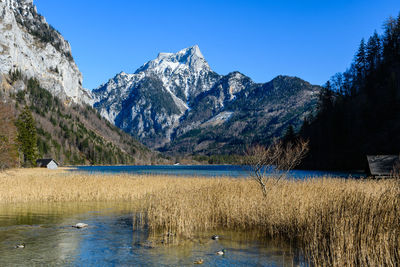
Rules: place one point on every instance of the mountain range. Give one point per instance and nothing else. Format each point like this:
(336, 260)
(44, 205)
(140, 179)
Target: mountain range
(176, 103)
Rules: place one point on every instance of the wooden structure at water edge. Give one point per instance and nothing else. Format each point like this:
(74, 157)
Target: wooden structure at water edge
(381, 166)
(47, 163)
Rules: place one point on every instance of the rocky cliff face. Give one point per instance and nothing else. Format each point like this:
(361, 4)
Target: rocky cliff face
(176, 103)
(29, 44)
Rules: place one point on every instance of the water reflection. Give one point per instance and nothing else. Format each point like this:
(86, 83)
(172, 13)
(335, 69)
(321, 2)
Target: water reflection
(112, 239)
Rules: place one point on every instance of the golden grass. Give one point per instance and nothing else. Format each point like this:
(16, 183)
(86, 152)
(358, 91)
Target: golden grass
(337, 222)
(35, 185)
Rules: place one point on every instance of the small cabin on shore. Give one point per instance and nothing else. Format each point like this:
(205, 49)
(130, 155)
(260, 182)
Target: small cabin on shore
(47, 163)
(381, 166)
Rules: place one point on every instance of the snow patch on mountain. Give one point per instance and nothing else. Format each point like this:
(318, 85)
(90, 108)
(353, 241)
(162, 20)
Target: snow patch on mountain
(218, 119)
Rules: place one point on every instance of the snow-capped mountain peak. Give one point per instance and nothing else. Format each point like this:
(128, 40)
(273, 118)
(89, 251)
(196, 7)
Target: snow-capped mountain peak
(190, 59)
(184, 56)
(165, 86)
(191, 55)
(193, 50)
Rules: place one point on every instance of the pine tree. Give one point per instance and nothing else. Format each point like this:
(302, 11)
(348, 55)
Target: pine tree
(348, 77)
(373, 52)
(290, 135)
(337, 82)
(325, 103)
(389, 39)
(304, 130)
(361, 61)
(27, 137)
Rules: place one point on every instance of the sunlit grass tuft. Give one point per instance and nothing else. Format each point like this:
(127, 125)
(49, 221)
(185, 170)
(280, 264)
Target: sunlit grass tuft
(35, 185)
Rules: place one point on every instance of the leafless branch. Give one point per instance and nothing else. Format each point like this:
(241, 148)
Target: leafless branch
(275, 160)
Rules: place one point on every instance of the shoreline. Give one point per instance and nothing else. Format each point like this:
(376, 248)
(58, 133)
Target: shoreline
(361, 172)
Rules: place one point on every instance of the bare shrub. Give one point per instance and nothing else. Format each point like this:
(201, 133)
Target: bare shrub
(275, 160)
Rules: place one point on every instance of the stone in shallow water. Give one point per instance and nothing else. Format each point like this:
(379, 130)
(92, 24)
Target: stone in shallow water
(200, 261)
(80, 225)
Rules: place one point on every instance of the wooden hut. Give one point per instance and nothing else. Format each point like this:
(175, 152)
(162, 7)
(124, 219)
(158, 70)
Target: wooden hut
(382, 165)
(47, 163)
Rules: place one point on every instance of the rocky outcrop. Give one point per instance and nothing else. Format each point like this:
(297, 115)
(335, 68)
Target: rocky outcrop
(29, 44)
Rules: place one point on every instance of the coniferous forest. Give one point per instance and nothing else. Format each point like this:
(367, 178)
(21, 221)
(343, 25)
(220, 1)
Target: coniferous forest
(359, 109)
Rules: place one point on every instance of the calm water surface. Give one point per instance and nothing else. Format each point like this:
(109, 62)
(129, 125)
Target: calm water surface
(112, 239)
(202, 170)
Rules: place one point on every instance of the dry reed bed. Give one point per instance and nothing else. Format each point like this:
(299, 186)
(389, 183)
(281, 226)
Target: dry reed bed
(36, 185)
(338, 222)
(42, 185)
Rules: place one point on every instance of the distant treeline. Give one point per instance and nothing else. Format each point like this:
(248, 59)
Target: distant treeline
(359, 109)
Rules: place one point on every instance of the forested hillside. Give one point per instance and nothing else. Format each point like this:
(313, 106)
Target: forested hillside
(68, 132)
(359, 110)
(256, 115)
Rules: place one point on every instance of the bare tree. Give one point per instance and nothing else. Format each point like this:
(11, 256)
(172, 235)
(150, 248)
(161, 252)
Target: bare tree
(275, 160)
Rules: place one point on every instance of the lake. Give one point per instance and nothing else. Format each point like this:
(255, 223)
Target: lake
(112, 239)
(202, 170)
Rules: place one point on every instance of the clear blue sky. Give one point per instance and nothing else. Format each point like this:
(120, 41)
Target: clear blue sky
(262, 39)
